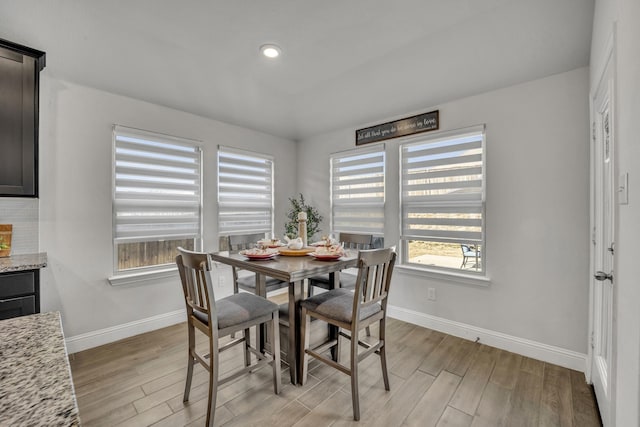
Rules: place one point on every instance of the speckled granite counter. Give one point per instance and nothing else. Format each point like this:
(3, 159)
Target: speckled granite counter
(23, 262)
(35, 377)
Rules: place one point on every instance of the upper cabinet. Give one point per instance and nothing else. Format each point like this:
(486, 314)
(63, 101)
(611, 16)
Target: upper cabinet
(20, 68)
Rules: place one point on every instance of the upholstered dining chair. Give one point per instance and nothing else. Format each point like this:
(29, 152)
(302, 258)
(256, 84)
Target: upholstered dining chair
(248, 282)
(347, 280)
(217, 319)
(469, 251)
(352, 311)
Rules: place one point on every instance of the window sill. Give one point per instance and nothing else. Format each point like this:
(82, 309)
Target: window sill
(467, 279)
(143, 277)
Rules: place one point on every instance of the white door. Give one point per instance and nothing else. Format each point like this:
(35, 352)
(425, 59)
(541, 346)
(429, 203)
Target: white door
(603, 303)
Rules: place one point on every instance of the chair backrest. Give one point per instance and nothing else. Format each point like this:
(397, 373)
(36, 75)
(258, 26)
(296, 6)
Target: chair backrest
(465, 249)
(243, 241)
(195, 275)
(356, 241)
(375, 267)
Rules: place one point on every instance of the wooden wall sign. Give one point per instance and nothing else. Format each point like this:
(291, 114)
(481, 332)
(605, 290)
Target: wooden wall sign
(403, 127)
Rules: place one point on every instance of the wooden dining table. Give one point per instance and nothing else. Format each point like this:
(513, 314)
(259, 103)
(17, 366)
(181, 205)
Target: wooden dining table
(294, 270)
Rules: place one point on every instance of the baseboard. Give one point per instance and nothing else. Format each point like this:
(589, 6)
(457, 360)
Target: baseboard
(105, 336)
(535, 350)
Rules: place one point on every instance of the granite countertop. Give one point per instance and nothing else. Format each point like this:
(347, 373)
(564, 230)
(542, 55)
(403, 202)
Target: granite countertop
(35, 377)
(23, 262)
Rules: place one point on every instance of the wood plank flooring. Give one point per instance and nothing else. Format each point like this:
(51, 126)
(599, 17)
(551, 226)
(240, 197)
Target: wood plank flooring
(436, 380)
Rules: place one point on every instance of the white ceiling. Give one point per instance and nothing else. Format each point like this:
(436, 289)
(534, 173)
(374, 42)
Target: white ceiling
(344, 63)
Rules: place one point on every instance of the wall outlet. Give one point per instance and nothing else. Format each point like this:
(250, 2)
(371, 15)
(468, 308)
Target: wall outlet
(220, 281)
(623, 189)
(431, 294)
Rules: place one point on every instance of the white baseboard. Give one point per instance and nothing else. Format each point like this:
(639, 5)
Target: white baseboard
(105, 336)
(535, 350)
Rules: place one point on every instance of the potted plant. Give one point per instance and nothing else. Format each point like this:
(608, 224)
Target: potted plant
(313, 218)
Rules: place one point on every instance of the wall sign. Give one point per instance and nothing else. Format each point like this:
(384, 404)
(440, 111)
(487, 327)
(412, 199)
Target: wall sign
(408, 126)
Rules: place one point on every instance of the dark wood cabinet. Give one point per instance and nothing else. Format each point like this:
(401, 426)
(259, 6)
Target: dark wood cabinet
(20, 68)
(19, 293)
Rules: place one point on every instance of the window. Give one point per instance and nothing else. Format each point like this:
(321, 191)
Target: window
(156, 199)
(245, 192)
(357, 191)
(442, 201)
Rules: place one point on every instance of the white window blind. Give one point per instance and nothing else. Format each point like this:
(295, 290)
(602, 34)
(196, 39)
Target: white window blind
(357, 191)
(157, 192)
(245, 192)
(442, 188)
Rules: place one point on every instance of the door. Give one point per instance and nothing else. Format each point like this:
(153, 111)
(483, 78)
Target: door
(603, 281)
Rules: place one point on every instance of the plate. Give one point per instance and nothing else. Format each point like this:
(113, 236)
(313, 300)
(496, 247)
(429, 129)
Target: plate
(295, 252)
(272, 244)
(260, 257)
(254, 256)
(325, 257)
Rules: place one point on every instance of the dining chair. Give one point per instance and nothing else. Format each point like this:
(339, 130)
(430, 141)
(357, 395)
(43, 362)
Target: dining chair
(469, 251)
(347, 280)
(247, 282)
(218, 319)
(352, 311)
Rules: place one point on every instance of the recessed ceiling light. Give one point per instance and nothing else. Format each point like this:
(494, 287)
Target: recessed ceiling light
(270, 50)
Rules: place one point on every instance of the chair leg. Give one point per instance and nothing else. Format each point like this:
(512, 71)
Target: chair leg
(355, 399)
(214, 358)
(247, 344)
(190, 363)
(305, 330)
(383, 354)
(187, 387)
(275, 349)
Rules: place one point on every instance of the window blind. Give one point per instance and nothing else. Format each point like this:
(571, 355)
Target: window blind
(357, 191)
(157, 192)
(245, 192)
(442, 188)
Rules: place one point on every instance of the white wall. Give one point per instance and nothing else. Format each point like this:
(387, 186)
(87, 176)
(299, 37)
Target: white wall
(22, 213)
(626, 15)
(537, 211)
(75, 199)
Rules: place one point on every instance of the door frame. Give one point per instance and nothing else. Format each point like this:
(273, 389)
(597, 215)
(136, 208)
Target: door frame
(608, 63)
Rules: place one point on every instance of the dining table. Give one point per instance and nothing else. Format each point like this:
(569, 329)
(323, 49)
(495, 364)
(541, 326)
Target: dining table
(293, 270)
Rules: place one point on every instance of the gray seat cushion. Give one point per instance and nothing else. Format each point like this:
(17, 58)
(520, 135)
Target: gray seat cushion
(347, 281)
(338, 304)
(239, 308)
(249, 283)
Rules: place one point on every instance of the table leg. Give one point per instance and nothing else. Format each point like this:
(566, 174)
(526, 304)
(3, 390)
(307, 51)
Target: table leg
(261, 331)
(295, 358)
(334, 283)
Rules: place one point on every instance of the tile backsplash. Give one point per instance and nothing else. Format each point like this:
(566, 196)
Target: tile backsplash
(23, 214)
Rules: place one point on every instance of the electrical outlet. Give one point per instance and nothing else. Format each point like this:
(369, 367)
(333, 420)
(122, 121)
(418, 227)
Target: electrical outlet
(220, 281)
(623, 189)
(431, 294)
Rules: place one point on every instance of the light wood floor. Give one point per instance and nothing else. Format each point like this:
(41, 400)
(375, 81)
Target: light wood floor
(436, 380)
